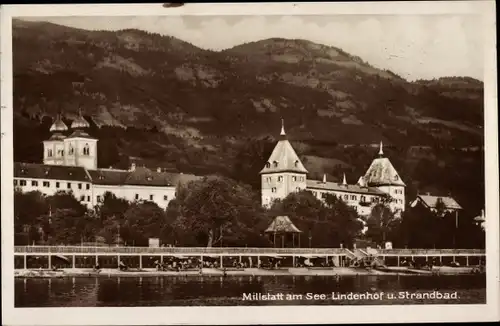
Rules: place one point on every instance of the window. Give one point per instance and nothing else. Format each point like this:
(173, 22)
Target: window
(363, 199)
(49, 153)
(165, 197)
(46, 184)
(57, 184)
(354, 197)
(98, 199)
(136, 196)
(268, 165)
(346, 197)
(71, 150)
(22, 182)
(88, 198)
(86, 149)
(15, 182)
(69, 185)
(88, 186)
(79, 186)
(294, 178)
(273, 189)
(82, 198)
(34, 183)
(298, 188)
(296, 163)
(323, 195)
(396, 177)
(151, 197)
(275, 164)
(269, 179)
(60, 152)
(280, 178)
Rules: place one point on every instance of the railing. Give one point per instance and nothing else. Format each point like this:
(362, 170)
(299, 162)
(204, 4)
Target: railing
(429, 252)
(238, 251)
(175, 250)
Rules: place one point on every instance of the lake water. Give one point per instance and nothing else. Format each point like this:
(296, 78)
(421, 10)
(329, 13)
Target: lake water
(231, 290)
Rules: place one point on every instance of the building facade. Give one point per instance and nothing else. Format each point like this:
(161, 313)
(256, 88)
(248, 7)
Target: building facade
(285, 173)
(70, 164)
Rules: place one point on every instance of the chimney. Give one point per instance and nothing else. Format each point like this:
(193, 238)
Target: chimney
(132, 167)
(324, 178)
(344, 181)
(158, 169)
(428, 194)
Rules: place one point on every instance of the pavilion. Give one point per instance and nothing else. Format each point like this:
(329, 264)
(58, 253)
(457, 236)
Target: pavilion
(283, 226)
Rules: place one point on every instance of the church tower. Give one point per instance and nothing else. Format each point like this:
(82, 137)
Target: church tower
(80, 147)
(382, 175)
(283, 173)
(53, 148)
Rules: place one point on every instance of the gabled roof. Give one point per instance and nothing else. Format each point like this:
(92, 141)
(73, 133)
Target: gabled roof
(50, 172)
(431, 201)
(282, 224)
(340, 187)
(382, 173)
(283, 158)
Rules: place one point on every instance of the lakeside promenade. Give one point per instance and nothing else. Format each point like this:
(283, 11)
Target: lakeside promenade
(30, 257)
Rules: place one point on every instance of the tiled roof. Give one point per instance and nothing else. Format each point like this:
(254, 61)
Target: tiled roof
(108, 176)
(431, 201)
(145, 177)
(282, 224)
(382, 173)
(80, 134)
(283, 158)
(334, 186)
(50, 172)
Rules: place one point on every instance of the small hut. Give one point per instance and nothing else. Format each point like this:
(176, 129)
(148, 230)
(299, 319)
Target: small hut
(282, 226)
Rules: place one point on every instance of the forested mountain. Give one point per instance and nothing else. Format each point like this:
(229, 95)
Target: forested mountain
(161, 101)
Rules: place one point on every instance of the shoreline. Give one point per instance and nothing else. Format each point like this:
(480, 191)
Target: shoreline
(151, 272)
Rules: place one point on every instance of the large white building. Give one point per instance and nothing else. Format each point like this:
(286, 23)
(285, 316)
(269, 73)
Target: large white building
(70, 164)
(284, 173)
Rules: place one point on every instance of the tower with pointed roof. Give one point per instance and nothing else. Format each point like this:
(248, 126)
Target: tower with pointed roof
(80, 147)
(53, 148)
(283, 172)
(382, 175)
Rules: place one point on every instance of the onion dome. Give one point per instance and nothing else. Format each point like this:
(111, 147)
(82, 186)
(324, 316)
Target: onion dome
(58, 125)
(79, 122)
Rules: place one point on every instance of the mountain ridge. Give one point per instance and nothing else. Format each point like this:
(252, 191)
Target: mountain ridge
(166, 102)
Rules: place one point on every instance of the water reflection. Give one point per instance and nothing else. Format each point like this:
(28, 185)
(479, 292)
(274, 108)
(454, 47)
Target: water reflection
(210, 290)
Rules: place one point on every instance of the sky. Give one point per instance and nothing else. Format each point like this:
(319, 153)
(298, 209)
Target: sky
(413, 46)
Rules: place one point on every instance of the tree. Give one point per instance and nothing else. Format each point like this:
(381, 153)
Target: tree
(216, 210)
(29, 207)
(66, 219)
(142, 221)
(380, 223)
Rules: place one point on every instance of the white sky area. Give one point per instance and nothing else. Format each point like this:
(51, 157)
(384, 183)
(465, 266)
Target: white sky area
(413, 46)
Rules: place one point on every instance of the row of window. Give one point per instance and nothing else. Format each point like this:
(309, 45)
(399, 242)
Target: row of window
(275, 164)
(280, 179)
(60, 152)
(346, 197)
(398, 191)
(46, 184)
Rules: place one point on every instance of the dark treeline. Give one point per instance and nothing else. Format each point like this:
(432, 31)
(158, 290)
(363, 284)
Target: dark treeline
(218, 211)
